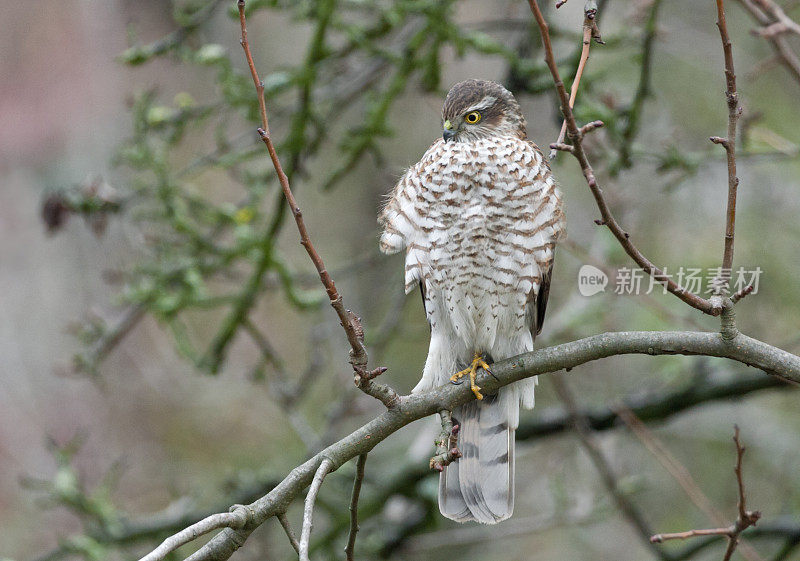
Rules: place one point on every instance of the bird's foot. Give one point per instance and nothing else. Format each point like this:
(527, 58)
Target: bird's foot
(472, 372)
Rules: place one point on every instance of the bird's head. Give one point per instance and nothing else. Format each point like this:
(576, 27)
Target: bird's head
(476, 109)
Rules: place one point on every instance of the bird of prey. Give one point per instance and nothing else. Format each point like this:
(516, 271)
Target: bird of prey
(478, 216)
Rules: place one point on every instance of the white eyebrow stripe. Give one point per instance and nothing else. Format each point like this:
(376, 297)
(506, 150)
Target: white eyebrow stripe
(485, 103)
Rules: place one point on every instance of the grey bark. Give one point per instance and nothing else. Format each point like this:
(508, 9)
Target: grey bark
(740, 348)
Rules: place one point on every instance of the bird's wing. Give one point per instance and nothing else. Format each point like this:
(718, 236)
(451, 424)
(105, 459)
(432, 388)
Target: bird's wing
(400, 216)
(553, 230)
(537, 302)
(422, 292)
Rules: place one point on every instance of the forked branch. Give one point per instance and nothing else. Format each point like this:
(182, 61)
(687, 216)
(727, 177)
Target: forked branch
(773, 30)
(607, 218)
(590, 31)
(744, 519)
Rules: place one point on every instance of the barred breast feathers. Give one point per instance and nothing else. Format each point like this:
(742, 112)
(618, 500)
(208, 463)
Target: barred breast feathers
(465, 205)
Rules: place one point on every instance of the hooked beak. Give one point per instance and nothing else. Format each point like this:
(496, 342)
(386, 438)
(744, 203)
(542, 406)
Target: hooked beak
(448, 133)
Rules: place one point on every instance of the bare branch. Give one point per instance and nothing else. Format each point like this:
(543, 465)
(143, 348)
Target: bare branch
(289, 532)
(357, 481)
(574, 133)
(729, 143)
(684, 479)
(633, 113)
(560, 147)
(550, 359)
(742, 293)
(308, 510)
(778, 42)
(744, 519)
(661, 538)
(590, 31)
(589, 127)
(786, 23)
(235, 519)
(364, 381)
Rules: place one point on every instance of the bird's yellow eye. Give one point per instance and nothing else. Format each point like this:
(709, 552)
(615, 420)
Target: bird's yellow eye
(472, 117)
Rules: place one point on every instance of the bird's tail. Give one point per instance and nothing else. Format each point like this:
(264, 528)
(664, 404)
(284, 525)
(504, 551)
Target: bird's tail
(480, 485)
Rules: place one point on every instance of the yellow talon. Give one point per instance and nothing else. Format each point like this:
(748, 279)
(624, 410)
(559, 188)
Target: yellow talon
(472, 371)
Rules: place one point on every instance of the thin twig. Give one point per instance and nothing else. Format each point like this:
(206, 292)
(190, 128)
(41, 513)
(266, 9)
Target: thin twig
(305, 240)
(742, 293)
(670, 463)
(778, 42)
(745, 518)
(661, 538)
(349, 321)
(574, 133)
(308, 509)
(289, 532)
(110, 339)
(786, 23)
(590, 30)
(729, 143)
(777, 529)
(357, 481)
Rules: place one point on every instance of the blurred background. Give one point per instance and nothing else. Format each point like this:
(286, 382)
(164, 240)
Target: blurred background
(167, 351)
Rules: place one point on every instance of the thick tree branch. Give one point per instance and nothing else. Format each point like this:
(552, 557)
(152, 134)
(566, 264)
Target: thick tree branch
(234, 519)
(653, 407)
(649, 408)
(551, 359)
